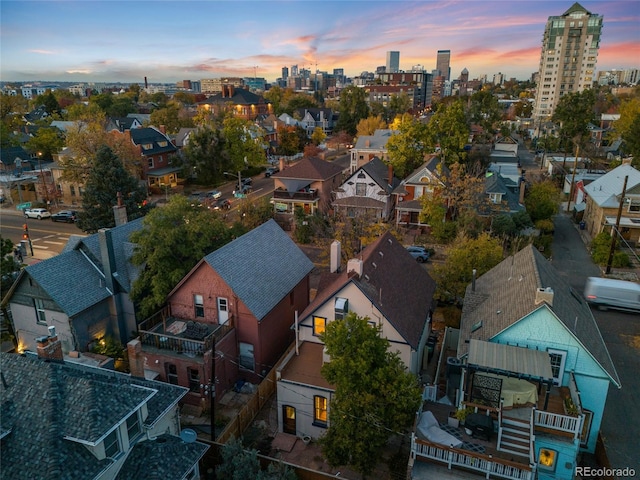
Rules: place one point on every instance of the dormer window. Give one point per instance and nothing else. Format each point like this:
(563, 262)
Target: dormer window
(147, 146)
(133, 427)
(163, 143)
(341, 308)
(112, 444)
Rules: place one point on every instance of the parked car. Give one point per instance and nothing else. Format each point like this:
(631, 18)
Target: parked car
(247, 181)
(213, 194)
(68, 216)
(221, 204)
(420, 253)
(270, 171)
(38, 213)
(244, 190)
(605, 293)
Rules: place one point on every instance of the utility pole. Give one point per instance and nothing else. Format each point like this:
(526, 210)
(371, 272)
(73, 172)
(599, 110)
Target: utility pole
(573, 176)
(614, 234)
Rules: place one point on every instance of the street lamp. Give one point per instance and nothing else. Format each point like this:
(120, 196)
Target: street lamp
(233, 175)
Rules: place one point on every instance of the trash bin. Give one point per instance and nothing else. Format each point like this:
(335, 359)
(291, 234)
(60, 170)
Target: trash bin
(582, 225)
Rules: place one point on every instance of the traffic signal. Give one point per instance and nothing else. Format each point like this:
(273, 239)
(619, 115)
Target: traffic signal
(25, 233)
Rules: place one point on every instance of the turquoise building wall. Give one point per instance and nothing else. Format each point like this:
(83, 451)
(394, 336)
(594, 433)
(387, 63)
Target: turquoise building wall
(542, 330)
(566, 458)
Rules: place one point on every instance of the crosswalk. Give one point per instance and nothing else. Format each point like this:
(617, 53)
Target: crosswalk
(54, 243)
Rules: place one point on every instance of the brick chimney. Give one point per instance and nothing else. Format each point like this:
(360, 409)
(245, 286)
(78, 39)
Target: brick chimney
(50, 347)
(230, 91)
(354, 268)
(136, 360)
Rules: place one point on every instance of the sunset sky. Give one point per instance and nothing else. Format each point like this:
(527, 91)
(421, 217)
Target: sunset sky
(167, 41)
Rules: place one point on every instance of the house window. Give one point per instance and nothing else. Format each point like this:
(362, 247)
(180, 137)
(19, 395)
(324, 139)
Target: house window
(319, 324)
(39, 306)
(319, 411)
(72, 190)
(198, 303)
(586, 427)
(150, 162)
(247, 360)
(495, 197)
(172, 373)
(112, 444)
(361, 189)
(133, 426)
(341, 308)
(194, 379)
(558, 358)
(634, 207)
(547, 459)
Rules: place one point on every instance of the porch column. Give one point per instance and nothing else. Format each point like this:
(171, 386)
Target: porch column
(546, 396)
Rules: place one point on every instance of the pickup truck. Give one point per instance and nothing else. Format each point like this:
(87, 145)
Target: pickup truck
(38, 213)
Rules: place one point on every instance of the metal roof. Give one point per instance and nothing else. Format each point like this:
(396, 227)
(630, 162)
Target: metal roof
(507, 358)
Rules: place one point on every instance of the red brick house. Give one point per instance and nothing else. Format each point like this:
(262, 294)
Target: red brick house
(239, 303)
(241, 102)
(156, 150)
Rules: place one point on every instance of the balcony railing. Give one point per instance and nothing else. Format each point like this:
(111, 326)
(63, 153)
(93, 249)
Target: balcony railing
(487, 464)
(555, 421)
(181, 335)
(287, 195)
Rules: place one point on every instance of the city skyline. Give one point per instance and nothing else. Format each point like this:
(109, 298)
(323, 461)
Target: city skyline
(170, 41)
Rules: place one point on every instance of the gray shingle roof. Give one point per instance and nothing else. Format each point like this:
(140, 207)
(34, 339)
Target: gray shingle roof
(150, 135)
(261, 267)
(392, 281)
(506, 294)
(47, 403)
(605, 190)
(311, 169)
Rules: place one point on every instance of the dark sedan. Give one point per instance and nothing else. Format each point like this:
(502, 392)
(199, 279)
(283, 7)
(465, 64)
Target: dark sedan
(67, 216)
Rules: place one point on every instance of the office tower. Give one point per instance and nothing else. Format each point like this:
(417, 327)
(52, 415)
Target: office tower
(294, 70)
(285, 73)
(568, 57)
(443, 64)
(393, 62)
(498, 78)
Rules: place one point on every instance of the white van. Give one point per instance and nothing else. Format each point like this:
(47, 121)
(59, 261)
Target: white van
(610, 293)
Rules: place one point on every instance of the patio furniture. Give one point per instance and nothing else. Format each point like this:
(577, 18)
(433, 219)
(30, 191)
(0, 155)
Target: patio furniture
(480, 425)
(429, 429)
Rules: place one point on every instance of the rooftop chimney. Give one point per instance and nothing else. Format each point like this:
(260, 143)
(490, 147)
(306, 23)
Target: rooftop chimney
(354, 268)
(544, 295)
(136, 361)
(50, 347)
(335, 256)
(522, 185)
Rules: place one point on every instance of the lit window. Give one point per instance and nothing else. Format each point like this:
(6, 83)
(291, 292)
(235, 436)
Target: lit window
(112, 444)
(319, 324)
(319, 411)
(547, 459)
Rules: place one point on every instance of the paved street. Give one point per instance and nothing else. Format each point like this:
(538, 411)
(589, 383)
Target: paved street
(621, 333)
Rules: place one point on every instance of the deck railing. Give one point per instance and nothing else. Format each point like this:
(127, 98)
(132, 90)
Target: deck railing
(556, 421)
(486, 464)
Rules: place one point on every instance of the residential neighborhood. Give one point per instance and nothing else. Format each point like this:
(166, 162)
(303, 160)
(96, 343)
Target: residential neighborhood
(397, 274)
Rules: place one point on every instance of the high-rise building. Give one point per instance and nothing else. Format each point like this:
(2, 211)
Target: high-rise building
(568, 57)
(285, 73)
(443, 64)
(393, 62)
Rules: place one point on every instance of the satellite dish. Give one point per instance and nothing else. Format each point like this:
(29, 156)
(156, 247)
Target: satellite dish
(188, 435)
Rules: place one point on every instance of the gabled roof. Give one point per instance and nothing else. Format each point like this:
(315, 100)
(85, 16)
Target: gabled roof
(261, 267)
(495, 184)
(122, 123)
(605, 191)
(50, 407)
(507, 293)
(377, 141)
(74, 279)
(149, 135)
(8, 155)
(311, 168)
(576, 7)
(315, 113)
(392, 281)
(183, 135)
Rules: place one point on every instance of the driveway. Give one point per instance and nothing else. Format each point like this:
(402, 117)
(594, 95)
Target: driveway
(621, 333)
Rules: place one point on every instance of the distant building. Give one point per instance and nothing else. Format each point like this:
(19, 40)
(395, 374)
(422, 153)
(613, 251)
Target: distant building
(568, 57)
(443, 62)
(393, 62)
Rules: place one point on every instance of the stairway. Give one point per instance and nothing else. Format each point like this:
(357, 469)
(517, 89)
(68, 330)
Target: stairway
(514, 434)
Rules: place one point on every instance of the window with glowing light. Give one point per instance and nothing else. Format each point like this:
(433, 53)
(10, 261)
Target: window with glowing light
(547, 459)
(319, 411)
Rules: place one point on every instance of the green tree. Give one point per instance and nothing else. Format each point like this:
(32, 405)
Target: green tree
(244, 144)
(239, 463)
(171, 117)
(291, 139)
(121, 106)
(173, 239)
(627, 127)
(542, 200)
(369, 125)
(107, 179)
(449, 129)
(485, 110)
(351, 109)
(374, 394)
(300, 101)
(466, 254)
(399, 103)
(47, 142)
(408, 146)
(206, 155)
(574, 112)
(503, 225)
(9, 266)
(102, 100)
(48, 100)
